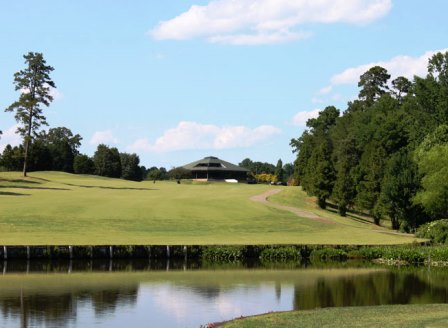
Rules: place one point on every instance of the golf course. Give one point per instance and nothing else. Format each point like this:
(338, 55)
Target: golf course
(55, 208)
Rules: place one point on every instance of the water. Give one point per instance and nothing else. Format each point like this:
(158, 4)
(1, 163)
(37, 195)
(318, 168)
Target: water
(143, 294)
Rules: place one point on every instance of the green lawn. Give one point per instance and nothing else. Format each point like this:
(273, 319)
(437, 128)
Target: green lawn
(59, 208)
(430, 315)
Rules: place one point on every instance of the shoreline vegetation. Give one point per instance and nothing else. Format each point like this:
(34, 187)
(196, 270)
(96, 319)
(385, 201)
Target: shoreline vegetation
(389, 255)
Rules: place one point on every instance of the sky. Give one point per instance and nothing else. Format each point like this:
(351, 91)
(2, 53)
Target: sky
(177, 80)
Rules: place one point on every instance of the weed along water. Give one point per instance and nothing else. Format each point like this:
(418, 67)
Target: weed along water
(168, 293)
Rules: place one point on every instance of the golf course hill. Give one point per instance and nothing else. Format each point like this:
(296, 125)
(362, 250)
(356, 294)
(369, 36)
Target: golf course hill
(55, 208)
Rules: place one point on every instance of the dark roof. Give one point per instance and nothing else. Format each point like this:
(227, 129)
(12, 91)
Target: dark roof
(211, 163)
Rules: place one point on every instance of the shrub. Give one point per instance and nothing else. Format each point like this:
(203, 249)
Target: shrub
(222, 253)
(329, 253)
(437, 231)
(282, 253)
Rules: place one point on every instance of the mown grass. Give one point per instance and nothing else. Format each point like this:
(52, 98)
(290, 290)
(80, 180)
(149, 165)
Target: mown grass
(429, 315)
(54, 208)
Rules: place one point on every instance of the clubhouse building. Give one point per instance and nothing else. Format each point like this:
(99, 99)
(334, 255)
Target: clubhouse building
(213, 169)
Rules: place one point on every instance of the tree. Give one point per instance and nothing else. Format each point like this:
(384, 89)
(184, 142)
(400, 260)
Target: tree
(107, 161)
(400, 184)
(12, 158)
(371, 172)
(401, 87)
(63, 147)
(130, 169)
(432, 161)
(373, 84)
(279, 173)
(34, 83)
(83, 164)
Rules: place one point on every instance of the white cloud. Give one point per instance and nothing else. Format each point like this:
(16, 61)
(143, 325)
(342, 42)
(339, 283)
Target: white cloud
(103, 137)
(259, 38)
(265, 21)
(301, 117)
(406, 66)
(10, 137)
(55, 93)
(193, 135)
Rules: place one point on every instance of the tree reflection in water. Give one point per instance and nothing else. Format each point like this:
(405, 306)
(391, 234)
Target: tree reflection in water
(39, 303)
(375, 289)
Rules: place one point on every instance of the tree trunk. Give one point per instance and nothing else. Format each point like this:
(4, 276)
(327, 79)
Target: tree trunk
(342, 209)
(27, 143)
(321, 202)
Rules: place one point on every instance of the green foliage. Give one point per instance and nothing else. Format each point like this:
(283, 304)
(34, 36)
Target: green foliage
(364, 160)
(373, 84)
(398, 187)
(329, 253)
(83, 164)
(223, 253)
(279, 253)
(12, 158)
(178, 173)
(63, 147)
(433, 164)
(107, 162)
(279, 173)
(257, 167)
(437, 231)
(130, 169)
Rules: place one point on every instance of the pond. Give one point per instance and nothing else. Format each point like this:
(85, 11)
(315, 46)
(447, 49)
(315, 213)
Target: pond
(144, 294)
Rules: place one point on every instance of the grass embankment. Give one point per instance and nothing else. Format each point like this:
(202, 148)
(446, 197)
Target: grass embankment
(53, 208)
(429, 315)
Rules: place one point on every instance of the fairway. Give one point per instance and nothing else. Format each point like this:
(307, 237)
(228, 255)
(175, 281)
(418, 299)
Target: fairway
(54, 208)
(414, 315)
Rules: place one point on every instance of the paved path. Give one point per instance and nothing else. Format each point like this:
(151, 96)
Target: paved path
(263, 198)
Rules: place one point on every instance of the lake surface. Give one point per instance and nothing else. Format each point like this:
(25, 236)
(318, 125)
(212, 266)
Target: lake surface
(144, 294)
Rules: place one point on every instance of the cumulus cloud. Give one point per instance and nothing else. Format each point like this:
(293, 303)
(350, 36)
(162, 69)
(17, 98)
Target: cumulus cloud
(402, 65)
(301, 117)
(10, 137)
(252, 22)
(103, 137)
(193, 135)
(406, 66)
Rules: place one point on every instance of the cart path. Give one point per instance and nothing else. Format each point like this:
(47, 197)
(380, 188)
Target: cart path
(263, 198)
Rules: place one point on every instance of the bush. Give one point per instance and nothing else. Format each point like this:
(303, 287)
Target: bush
(283, 253)
(223, 253)
(329, 254)
(437, 231)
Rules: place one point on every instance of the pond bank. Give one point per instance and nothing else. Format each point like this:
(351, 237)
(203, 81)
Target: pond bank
(395, 255)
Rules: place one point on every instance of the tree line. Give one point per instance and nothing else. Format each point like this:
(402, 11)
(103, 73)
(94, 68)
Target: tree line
(387, 153)
(267, 172)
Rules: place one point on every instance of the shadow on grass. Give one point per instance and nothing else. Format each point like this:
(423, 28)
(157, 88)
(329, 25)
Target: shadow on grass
(32, 188)
(352, 213)
(105, 187)
(20, 181)
(8, 193)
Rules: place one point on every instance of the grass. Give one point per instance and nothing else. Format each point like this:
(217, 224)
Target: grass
(429, 315)
(54, 208)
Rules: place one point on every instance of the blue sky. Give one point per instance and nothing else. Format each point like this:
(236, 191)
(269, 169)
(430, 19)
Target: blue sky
(175, 81)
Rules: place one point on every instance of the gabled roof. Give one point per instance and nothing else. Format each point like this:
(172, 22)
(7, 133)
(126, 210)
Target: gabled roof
(211, 163)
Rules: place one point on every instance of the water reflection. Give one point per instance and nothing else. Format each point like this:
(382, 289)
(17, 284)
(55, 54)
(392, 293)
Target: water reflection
(137, 294)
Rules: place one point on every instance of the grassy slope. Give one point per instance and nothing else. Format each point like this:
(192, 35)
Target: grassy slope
(60, 208)
(431, 315)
